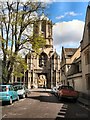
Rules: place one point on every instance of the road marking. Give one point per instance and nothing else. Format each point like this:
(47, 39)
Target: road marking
(62, 116)
(4, 115)
(65, 105)
(62, 112)
(63, 109)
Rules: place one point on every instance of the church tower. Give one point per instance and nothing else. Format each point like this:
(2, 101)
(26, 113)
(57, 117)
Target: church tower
(43, 26)
(43, 69)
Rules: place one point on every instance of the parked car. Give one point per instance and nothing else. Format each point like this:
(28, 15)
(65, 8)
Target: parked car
(8, 94)
(21, 90)
(68, 92)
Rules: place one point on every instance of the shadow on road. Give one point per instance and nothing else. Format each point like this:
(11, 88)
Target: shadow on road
(51, 99)
(47, 96)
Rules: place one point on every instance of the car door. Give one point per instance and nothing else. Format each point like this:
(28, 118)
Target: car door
(13, 93)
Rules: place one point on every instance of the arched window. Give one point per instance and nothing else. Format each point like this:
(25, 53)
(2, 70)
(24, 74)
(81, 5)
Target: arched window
(43, 60)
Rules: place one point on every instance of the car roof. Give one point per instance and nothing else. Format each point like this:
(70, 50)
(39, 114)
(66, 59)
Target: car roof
(5, 85)
(65, 86)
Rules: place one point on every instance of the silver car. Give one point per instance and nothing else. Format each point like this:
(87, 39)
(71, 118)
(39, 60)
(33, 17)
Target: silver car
(22, 91)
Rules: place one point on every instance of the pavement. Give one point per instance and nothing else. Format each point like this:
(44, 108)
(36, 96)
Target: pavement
(84, 101)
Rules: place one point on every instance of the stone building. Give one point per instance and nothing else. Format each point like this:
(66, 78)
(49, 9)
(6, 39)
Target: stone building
(71, 70)
(75, 63)
(43, 69)
(85, 54)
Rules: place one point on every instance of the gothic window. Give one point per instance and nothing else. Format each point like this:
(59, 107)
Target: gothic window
(49, 30)
(43, 28)
(42, 60)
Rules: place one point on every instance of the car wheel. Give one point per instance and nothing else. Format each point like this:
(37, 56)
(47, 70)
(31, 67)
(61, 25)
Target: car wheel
(26, 95)
(10, 101)
(23, 96)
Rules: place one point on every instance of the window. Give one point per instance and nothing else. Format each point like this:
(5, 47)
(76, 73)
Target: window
(49, 30)
(87, 57)
(43, 29)
(11, 88)
(42, 60)
(88, 81)
(2, 88)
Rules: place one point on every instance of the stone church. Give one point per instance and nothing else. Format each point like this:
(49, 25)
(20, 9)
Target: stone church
(43, 70)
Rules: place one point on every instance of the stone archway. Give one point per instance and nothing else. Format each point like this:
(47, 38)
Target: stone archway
(41, 81)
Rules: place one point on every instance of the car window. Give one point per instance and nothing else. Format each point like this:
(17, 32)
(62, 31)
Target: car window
(2, 88)
(67, 87)
(64, 87)
(71, 88)
(11, 88)
(15, 88)
(18, 88)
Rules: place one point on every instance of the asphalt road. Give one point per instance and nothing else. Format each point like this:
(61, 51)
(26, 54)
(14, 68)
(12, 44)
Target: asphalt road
(42, 104)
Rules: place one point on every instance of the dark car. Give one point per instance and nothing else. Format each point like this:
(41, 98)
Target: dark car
(65, 91)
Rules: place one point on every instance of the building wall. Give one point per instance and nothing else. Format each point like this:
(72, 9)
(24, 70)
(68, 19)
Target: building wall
(85, 55)
(75, 80)
(85, 71)
(69, 67)
(50, 72)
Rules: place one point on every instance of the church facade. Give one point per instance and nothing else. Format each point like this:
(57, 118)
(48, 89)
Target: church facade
(43, 70)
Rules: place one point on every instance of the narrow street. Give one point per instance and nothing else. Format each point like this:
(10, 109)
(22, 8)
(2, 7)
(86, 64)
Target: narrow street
(42, 104)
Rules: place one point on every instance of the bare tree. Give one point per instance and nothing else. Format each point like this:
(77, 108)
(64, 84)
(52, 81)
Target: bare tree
(16, 19)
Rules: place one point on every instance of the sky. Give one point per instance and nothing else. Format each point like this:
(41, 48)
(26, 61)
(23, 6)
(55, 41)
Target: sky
(68, 17)
(69, 20)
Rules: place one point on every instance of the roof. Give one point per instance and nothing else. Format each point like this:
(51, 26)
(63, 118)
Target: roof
(69, 52)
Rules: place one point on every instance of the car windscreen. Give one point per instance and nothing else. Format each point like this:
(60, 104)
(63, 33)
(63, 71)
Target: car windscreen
(67, 87)
(70, 88)
(18, 88)
(2, 88)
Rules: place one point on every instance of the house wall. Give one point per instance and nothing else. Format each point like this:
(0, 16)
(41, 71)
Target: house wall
(85, 71)
(75, 81)
(77, 84)
(85, 45)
